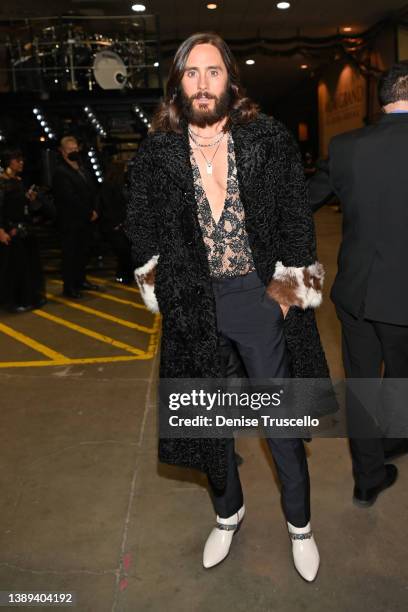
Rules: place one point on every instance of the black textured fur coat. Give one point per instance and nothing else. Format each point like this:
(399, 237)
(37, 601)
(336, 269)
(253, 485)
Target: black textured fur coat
(162, 220)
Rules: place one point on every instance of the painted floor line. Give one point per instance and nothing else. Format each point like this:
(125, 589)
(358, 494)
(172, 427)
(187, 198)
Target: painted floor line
(103, 281)
(154, 338)
(101, 314)
(90, 333)
(34, 344)
(113, 298)
(77, 361)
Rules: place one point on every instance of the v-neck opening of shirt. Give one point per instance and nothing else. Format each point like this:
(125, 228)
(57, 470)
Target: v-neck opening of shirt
(207, 202)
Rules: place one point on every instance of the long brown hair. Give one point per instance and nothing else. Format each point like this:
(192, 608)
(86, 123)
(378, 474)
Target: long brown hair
(169, 114)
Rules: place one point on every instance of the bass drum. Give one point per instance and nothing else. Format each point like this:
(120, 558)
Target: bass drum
(109, 70)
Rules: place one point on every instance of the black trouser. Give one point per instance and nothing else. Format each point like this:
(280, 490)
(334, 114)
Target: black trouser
(120, 244)
(76, 246)
(21, 274)
(253, 324)
(367, 345)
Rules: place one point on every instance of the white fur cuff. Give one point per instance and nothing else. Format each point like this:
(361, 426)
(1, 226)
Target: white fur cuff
(145, 276)
(301, 287)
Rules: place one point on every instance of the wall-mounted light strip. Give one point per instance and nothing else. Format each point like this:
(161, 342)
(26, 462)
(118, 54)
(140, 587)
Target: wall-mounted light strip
(91, 116)
(142, 116)
(95, 165)
(43, 123)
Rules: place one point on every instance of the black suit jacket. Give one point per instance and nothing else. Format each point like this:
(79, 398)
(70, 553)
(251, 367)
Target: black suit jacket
(75, 196)
(368, 170)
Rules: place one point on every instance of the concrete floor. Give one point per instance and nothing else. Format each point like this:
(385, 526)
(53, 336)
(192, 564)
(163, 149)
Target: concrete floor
(85, 507)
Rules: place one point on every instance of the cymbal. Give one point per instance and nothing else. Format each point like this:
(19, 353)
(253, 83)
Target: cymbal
(103, 43)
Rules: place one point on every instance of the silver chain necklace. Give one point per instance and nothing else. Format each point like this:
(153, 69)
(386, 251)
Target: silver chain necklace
(212, 144)
(209, 164)
(204, 137)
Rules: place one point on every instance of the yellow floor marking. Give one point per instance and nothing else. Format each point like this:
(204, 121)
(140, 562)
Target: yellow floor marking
(103, 281)
(37, 346)
(154, 338)
(101, 314)
(88, 332)
(67, 361)
(113, 298)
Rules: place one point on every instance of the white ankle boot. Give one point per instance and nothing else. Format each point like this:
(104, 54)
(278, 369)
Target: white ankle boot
(219, 541)
(305, 554)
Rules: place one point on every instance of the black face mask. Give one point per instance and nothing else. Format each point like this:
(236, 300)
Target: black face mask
(74, 156)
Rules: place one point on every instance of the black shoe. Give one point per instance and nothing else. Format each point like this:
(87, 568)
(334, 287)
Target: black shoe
(19, 309)
(72, 293)
(88, 286)
(398, 451)
(367, 498)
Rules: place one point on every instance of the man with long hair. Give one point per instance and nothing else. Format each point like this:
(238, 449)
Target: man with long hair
(223, 243)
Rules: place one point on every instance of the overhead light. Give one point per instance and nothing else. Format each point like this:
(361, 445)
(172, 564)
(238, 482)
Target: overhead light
(347, 29)
(156, 64)
(35, 111)
(42, 138)
(304, 66)
(250, 62)
(283, 5)
(138, 8)
(211, 6)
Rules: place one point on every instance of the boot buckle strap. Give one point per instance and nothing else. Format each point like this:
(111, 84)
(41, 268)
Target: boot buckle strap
(224, 527)
(301, 536)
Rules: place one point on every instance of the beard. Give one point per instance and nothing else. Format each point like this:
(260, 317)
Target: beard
(203, 116)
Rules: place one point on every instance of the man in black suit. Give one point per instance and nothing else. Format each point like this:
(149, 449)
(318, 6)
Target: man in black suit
(75, 196)
(367, 170)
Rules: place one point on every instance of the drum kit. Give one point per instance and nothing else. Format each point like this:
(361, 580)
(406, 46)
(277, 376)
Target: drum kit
(67, 57)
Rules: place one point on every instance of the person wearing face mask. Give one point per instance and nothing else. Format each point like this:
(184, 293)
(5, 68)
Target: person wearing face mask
(22, 285)
(75, 196)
